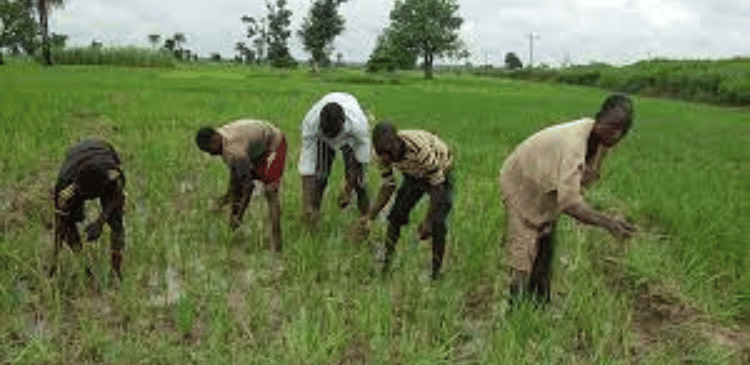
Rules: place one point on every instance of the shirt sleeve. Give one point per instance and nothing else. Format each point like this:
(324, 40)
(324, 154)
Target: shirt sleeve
(308, 155)
(386, 173)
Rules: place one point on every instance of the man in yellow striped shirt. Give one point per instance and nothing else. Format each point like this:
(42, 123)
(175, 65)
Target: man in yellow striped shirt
(426, 163)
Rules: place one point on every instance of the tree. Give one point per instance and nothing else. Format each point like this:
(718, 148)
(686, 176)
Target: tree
(278, 34)
(57, 41)
(428, 27)
(319, 29)
(178, 38)
(169, 44)
(512, 62)
(17, 26)
(244, 54)
(154, 39)
(258, 35)
(43, 8)
(390, 55)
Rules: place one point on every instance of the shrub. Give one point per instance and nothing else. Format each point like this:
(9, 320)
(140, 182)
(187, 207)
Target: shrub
(117, 56)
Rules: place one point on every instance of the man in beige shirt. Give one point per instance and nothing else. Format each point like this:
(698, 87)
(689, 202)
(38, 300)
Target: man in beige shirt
(543, 177)
(253, 150)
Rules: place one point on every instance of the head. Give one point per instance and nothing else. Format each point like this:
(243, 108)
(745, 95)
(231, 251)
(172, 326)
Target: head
(332, 119)
(209, 140)
(386, 142)
(614, 119)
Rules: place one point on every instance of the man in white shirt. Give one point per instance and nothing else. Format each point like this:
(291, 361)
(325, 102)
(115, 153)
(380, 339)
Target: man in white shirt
(335, 122)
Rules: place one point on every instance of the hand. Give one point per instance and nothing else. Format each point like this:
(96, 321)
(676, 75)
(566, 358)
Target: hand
(234, 222)
(621, 228)
(425, 230)
(345, 197)
(361, 229)
(218, 204)
(93, 231)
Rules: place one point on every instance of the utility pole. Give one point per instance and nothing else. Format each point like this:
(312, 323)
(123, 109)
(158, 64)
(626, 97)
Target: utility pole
(531, 48)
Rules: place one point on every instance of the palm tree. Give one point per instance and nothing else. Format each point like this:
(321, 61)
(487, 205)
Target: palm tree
(154, 39)
(44, 7)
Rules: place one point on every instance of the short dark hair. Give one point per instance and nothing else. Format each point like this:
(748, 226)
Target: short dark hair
(381, 131)
(203, 138)
(618, 101)
(332, 119)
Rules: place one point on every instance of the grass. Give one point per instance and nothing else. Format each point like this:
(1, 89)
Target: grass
(195, 293)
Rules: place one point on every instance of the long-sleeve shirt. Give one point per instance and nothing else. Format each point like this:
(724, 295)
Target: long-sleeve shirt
(426, 156)
(356, 132)
(545, 173)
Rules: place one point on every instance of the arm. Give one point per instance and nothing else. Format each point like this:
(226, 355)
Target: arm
(585, 214)
(115, 204)
(242, 180)
(387, 188)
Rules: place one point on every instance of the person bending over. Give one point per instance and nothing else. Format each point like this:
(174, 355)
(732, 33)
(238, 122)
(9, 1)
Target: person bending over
(252, 150)
(425, 162)
(543, 177)
(335, 122)
(91, 170)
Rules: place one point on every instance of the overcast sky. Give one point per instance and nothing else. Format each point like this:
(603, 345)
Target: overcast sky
(580, 31)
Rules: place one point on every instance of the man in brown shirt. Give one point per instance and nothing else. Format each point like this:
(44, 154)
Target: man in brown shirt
(253, 150)
(426, 162)
(543, 177)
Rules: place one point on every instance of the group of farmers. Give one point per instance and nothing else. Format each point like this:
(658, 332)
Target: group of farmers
(542, 178)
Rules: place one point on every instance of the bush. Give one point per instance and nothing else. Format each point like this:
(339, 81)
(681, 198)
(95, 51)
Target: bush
(123, 56)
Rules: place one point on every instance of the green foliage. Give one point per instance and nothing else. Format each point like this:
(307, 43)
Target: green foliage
(258, 35)
(278, 34)
(319, 28)
(389, 55)
(512, 62)
(17, 27)
(425, 27)
(117, 56)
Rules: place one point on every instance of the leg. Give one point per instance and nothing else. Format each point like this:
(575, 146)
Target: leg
(323, 164)
(117, 235)
(275, 214)
(441, 202)
(355, 179)
(407, 196)
(541, 272)
(521, 239)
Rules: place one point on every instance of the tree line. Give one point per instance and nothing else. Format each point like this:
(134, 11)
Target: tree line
(419, 31)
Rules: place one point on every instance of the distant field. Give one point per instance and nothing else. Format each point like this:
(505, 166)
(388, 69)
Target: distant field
(194, 293)
(724, 82)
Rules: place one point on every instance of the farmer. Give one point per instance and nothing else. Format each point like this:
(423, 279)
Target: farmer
(543, 177)
(253, 150)
(335, 122)
(91, 170)
(425, 162)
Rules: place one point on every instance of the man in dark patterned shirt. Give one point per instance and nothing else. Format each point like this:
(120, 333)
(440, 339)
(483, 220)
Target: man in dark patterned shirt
(426, 162)
(91, 170)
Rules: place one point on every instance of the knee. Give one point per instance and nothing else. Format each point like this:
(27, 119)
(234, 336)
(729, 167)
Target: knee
(398, 218)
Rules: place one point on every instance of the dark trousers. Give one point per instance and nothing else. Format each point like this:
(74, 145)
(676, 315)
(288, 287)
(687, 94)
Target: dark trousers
(441, 201)
(354, 172)
(72, 212)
